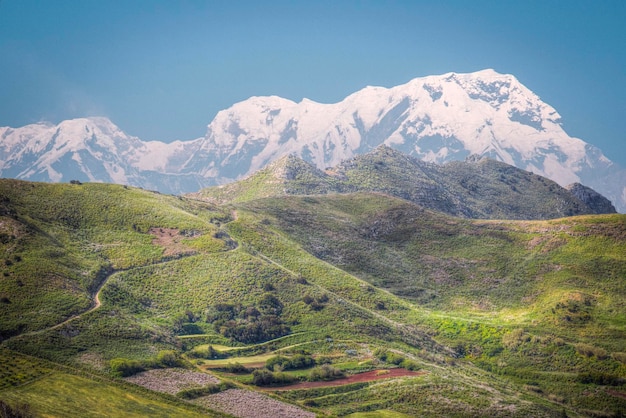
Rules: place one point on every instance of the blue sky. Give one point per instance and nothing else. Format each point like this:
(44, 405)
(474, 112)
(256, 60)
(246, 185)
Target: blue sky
(161, 70)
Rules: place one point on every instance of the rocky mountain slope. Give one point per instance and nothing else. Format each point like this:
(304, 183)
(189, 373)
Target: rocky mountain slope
(436, 118)
(477, 188)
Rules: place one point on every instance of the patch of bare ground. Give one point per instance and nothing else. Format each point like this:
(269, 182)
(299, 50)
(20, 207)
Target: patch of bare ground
(171, 381)
(247, 404)
(171, 240)
(616, 393)
(355, 378)
(94, 360)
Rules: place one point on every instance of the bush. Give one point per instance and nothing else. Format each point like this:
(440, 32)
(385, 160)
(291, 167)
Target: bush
(621, 357)
(410, 365)
(600, 378)
(589, 350)
(210, 353)
(277, 361)
(169, 358)
(124, 367)
(325, 372)
(264, 377)
(205, 390)
(515, 338)
(394, 358)
(388, 356)
(237, 368)
(299, 361)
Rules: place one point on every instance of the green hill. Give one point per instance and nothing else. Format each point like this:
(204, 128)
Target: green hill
(501, 318)
(478, 188)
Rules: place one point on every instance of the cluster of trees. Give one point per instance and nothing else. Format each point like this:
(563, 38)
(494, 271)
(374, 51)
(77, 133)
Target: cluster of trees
(123, 367)
(299, 361)
(600, 378)
(249, 324)
(272, 374)
(265, 377)
(210, 353)
(316, 303)
(396, 359)
(209, 389)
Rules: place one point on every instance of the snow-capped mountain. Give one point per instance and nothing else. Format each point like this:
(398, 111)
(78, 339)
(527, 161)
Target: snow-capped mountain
(94, 149)
(435, 118)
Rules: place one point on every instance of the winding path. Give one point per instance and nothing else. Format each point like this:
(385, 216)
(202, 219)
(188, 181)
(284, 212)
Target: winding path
(96, 303)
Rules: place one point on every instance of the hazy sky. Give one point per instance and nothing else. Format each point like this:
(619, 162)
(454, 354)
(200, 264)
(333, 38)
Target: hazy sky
(162, 69)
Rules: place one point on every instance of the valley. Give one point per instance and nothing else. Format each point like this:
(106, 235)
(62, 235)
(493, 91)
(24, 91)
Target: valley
(341, 302)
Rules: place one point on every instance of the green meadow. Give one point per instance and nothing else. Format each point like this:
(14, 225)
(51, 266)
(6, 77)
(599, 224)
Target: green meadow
(504, 318)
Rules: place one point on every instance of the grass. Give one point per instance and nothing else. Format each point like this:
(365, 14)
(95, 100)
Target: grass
(245, 361)
(65, 395)
(383, 413)
(54, 390)
(508, 317)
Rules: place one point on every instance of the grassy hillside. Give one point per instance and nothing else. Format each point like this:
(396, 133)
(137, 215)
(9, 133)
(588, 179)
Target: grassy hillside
(59, 241)
(50, 390)
(500, 318)
(478, 188)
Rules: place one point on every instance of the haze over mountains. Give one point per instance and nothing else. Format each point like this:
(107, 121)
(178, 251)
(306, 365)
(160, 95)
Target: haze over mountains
(437, 118)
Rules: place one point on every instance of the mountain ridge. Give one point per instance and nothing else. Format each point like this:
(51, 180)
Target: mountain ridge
(435, 118)
(478, 187)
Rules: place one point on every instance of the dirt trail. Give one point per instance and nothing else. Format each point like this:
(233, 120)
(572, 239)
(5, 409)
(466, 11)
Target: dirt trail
(96, 303)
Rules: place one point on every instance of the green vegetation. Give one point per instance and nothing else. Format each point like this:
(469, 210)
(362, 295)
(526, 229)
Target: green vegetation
(33, 387)
(124, 367)
(195, 393)
(479, 188)
(501, 318)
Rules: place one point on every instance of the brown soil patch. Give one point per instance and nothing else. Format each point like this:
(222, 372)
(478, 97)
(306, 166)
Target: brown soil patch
(616, 393)
(171, 381)
(170, 239)
(247, 404)
(355, 378)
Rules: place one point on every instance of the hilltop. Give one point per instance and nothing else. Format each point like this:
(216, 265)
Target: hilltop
(478, 187)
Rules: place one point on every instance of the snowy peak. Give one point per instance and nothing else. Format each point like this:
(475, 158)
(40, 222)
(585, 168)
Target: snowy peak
(437, 119)
(87, 149)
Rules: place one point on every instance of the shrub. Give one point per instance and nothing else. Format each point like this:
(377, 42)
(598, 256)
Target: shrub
(264, 377)
(236, 368)
(169, 358)
(600, 378)
(410, 365)
(394, 358)
(16, 411)
(299, 361)
(325, 372)
(589, 350)
(194, 393)
(276, 362)
(515, 338)
(124, 367)
(621, 357)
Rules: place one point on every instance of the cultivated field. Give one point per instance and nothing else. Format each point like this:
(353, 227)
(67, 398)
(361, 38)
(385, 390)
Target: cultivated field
(247, 404)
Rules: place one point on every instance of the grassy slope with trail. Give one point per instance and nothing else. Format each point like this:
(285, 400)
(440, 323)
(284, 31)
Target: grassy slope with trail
(516, 299)
(521, 299)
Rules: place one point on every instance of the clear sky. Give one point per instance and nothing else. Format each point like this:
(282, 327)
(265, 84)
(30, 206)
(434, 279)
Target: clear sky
(161, 70)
